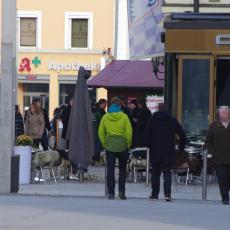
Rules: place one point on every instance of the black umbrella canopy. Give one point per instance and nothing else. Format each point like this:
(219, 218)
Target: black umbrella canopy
(80, 127)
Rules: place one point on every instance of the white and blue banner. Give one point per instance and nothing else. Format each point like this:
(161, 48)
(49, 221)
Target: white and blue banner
(145, 27)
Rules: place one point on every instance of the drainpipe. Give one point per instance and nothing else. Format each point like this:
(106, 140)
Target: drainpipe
(196, 6)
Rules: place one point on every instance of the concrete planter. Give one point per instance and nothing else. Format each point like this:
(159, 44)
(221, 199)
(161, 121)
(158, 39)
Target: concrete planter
(25, 163)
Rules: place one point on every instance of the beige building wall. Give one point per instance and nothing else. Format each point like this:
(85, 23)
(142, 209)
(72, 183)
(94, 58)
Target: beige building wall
(53, 18)
(55, 59)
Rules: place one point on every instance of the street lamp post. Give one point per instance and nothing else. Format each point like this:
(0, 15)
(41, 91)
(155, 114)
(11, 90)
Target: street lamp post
(8, 91)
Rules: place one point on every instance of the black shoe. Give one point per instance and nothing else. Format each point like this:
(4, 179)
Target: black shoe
(122, 196)
(111, 197)
(225, 202)
(153, 197)
(168, 199)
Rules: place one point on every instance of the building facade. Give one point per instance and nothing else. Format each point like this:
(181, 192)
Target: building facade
(54, 40)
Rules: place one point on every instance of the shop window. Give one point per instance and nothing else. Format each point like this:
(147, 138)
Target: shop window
(78, 30)
(29, 27)
(66, 92)
(33, 91)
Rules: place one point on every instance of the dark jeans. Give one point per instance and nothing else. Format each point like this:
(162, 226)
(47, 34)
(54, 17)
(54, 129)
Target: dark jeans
(155, 179)
(36, 142)
(223, 176)
(111, 162)
(45, 141)
(97, 149)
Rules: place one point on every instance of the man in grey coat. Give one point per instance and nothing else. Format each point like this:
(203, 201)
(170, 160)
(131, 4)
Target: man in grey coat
(218, 143)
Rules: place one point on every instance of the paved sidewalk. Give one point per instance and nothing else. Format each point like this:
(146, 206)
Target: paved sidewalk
(95, 187)
(73, 205)
(84, 213)
(138, 190)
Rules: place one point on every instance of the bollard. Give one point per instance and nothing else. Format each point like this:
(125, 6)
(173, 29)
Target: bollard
(204, 186)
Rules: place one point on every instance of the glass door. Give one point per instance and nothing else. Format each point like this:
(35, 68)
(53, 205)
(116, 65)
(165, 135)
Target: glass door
(195, 93)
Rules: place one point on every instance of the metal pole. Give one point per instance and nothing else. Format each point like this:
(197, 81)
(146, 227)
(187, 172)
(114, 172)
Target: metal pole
(196, 6)
(204, 186)
(147, 167)
(106, 173)
(8, 89)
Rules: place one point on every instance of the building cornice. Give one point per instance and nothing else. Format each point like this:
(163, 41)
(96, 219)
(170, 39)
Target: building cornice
(191, 5)
(61, 51)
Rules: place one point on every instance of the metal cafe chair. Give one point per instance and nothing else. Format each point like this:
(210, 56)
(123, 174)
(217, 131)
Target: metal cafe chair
(139, 162)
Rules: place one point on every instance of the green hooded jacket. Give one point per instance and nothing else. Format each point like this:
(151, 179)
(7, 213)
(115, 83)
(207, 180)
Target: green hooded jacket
(115, 132)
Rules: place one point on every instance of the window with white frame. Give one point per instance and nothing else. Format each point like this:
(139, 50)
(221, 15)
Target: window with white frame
(29, 29)
(78, 31)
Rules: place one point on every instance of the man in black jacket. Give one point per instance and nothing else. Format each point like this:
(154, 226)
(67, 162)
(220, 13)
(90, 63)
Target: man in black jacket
(160, 138)
(44, 140)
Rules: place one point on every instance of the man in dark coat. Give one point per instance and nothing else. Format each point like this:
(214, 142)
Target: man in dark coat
(65, 119)
(218, 143)
(160, 136)
(142, 121)
(19, 124)
(99, 112)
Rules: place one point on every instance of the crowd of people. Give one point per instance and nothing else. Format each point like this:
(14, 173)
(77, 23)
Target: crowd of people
(130, 125)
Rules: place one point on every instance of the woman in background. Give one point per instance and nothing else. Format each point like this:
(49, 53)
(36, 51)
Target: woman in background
(34, 124)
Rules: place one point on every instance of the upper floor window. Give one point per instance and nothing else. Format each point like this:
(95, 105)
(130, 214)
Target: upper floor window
(29, 29)
(28, 32)
(78, 31)
(79, 34)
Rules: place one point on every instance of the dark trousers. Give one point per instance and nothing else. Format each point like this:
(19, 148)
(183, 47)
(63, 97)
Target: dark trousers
(111, 162)
(45, 141)
(223, 176)
(36, 142)
(155, 179)
(97, 149)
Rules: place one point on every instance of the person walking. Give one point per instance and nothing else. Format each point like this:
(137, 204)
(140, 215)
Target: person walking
(19, 124)
(115, 133)
(160, 138)
(35, 124)
(99, 112)
(47, 128)
(218, 144)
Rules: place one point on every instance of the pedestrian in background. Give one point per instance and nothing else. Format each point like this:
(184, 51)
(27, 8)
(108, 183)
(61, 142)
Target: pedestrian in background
(99, 112)
(142, 120)
(19, 124)
(218, 143)
(65, 120)
(160, 138)
(35, 124)
(47, 128)
(115, 133)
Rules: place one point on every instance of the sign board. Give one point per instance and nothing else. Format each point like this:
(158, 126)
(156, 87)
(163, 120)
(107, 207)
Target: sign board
(152, 102)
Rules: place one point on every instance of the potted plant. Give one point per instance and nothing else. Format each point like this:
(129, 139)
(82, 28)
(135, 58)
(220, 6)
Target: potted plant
(23, 148)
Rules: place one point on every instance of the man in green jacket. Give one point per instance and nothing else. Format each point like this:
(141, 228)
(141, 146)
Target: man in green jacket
(115, 133)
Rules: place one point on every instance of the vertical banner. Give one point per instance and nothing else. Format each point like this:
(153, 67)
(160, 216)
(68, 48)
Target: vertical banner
(145, 27)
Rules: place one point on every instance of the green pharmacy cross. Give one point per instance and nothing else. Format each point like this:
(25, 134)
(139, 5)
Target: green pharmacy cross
(36, 62)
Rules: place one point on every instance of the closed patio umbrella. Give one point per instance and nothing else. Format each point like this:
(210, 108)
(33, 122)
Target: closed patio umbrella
(80, 127)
